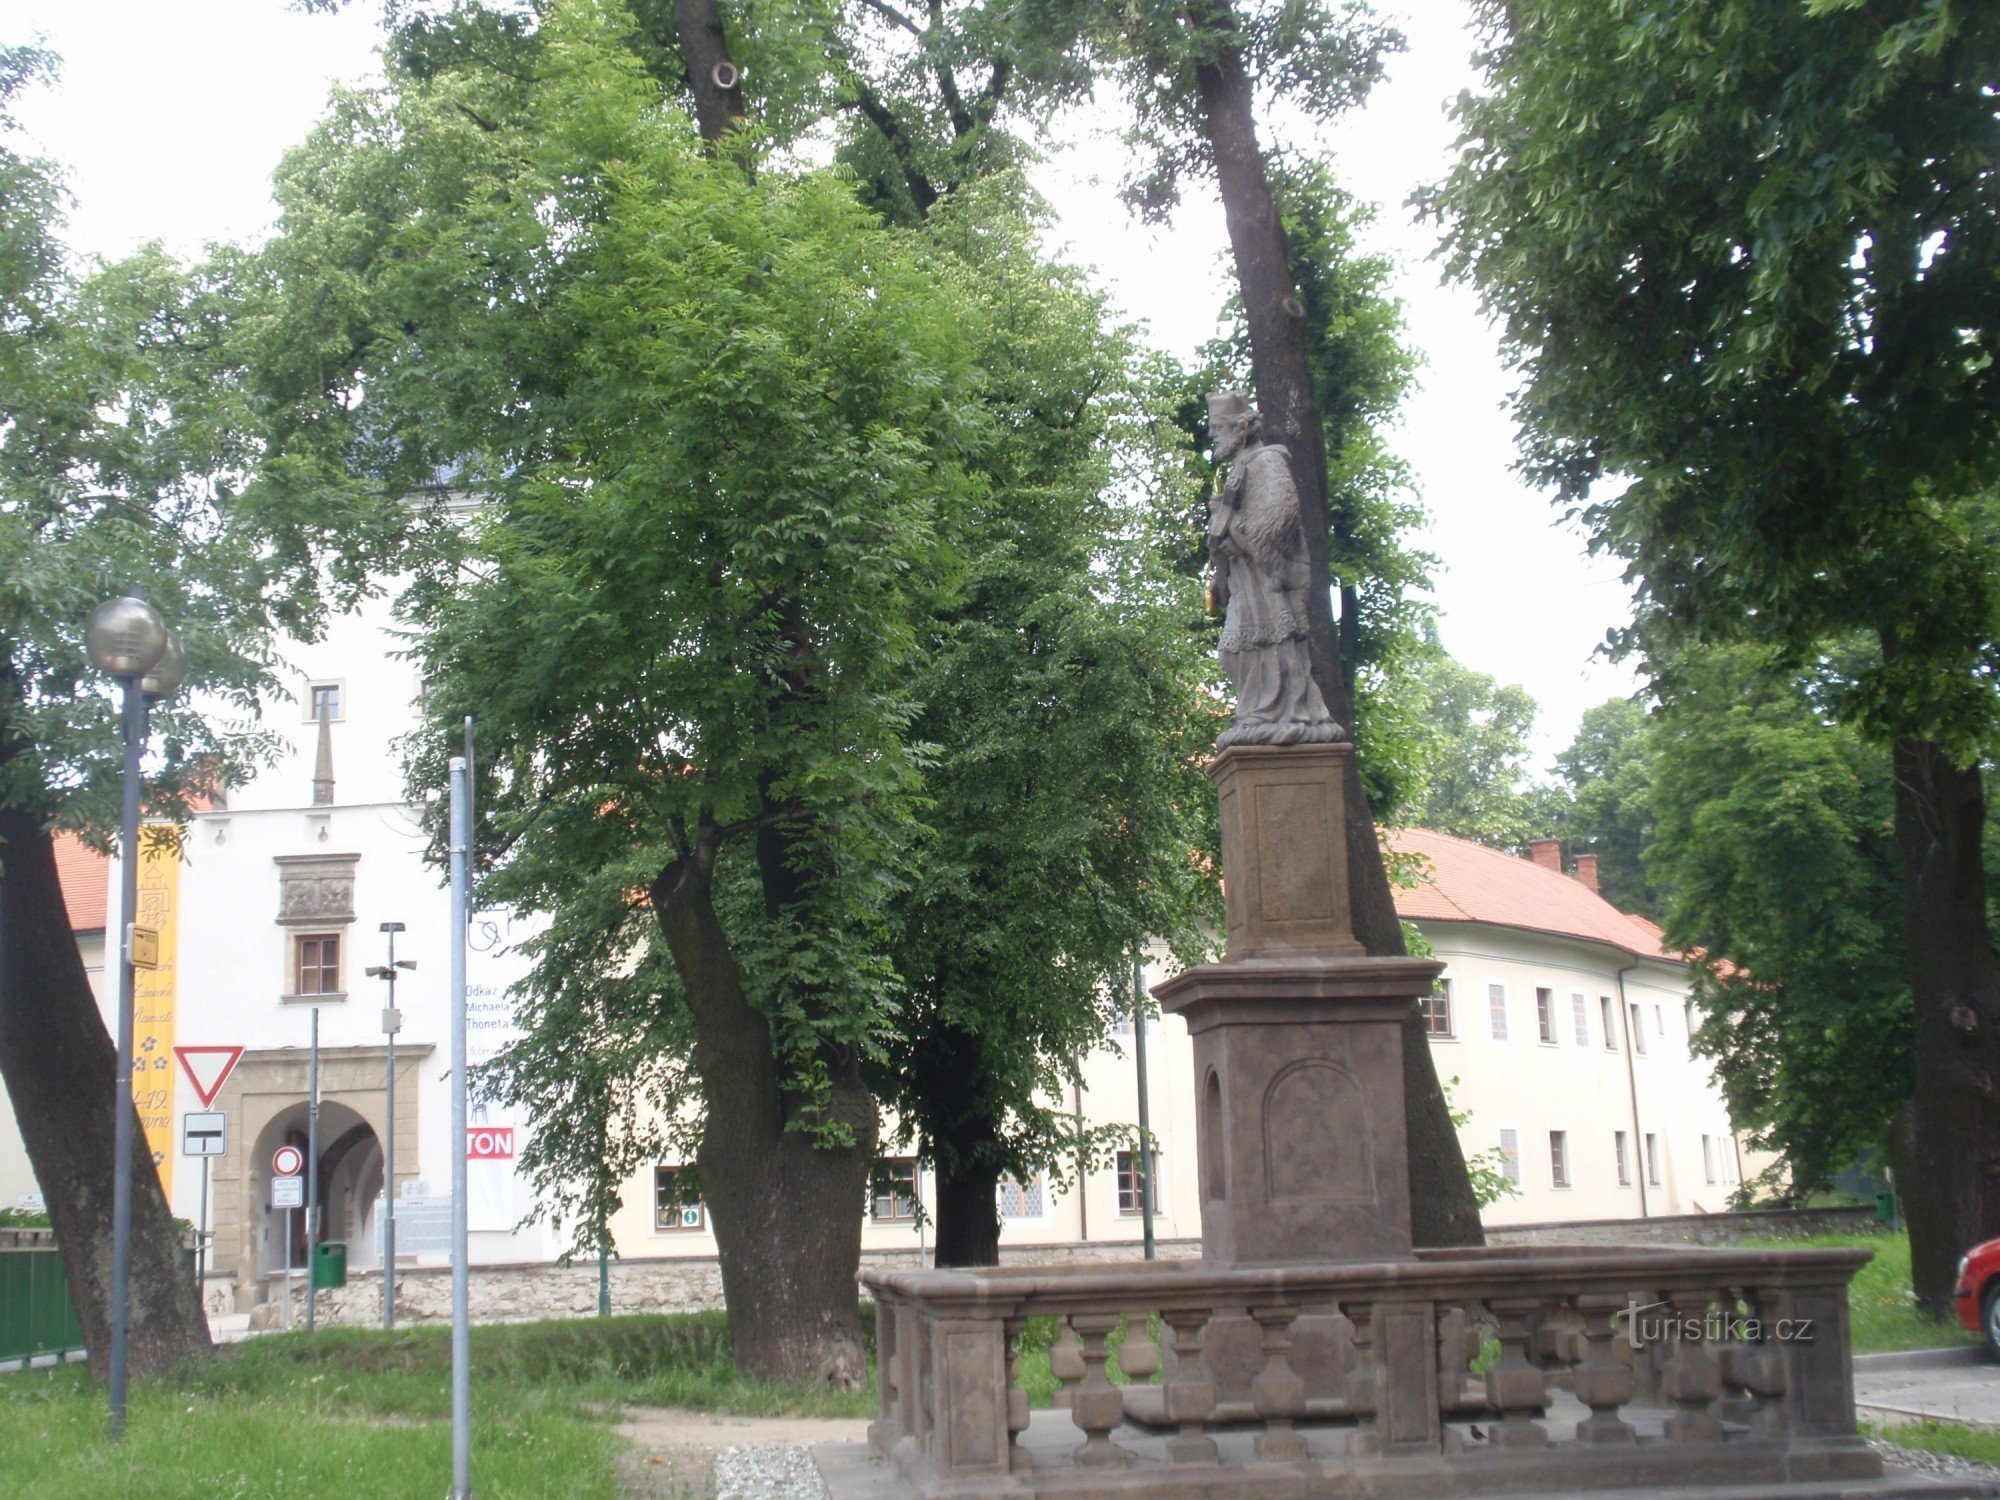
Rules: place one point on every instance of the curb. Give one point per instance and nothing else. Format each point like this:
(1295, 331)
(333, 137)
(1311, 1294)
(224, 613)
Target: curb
(1920, 1359)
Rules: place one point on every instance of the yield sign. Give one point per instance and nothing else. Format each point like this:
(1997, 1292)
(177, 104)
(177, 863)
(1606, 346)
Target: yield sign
(207, 1068)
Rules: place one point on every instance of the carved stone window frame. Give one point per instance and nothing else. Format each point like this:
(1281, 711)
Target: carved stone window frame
(315, 898)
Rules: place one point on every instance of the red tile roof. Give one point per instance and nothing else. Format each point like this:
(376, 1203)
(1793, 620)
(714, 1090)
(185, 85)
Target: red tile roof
(1460, 881)
(86, 879)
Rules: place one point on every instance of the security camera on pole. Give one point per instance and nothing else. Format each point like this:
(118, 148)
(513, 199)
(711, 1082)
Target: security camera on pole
(127, 639)
(392, 1022)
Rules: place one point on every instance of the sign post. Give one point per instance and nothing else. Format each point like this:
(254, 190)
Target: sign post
(461, 1320)
(288, 1193)
(204, 1133)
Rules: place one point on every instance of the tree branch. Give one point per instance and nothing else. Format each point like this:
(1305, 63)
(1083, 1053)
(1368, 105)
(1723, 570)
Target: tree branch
(894, 17)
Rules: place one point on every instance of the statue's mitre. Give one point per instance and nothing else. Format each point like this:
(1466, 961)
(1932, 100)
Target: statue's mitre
(1227, 407)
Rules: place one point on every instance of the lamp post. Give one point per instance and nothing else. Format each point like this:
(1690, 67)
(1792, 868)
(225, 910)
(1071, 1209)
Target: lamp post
(127, 639)
(392, 1022)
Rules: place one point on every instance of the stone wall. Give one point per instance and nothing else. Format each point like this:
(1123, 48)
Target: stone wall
(511, 1293)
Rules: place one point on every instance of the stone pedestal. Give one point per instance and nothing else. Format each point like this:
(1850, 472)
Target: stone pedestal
(1299, 1082)
(1298, 1045)
(1284, 850)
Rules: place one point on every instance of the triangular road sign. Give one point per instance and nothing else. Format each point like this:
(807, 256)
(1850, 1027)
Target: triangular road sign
(207, 1069)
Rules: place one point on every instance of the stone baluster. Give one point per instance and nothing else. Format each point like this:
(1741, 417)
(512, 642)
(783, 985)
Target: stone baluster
(1190, 1391)
(1515, 1388)
(1458, 1341)
(888, 1423)
(1279, 1392)
(1017, 1398)
(1754, 1366)
(1097, 1406)
(1603, 1382)
(1692, 1379)
(1138, 1355)
(923, 1388)
(1364, 1375)
(1066, 1364)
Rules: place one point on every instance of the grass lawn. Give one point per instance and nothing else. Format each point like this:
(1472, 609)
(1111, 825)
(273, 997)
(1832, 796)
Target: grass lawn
(351, 1414)
(1982, 1443)
(1884, 1314)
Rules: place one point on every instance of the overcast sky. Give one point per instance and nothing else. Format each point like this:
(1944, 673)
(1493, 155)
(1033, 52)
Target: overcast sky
(169, 118)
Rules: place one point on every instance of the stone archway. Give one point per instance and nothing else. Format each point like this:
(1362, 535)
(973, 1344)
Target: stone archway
(265, 1098)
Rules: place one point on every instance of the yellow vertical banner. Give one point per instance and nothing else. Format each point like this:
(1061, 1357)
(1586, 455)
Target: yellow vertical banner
(153, 999)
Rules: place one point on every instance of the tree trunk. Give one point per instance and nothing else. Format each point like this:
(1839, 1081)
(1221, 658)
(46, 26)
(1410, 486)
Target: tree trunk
(1442, 1207)
(786, 1208)
(968, 1213)
(1951, 1183)
(712, 77)
(61, 1071)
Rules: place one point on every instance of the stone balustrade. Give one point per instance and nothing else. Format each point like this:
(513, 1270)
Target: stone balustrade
(1448, 1373)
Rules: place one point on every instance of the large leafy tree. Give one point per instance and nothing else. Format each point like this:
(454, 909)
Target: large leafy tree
(1604, 805)
(1476, 781)
(1747, 253)
(1775, 849)
(122, 459)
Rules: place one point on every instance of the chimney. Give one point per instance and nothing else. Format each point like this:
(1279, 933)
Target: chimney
(323, 763)
(1548, 853)
(1586, 871)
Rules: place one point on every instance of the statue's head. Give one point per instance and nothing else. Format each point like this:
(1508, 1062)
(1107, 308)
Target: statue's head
(1231, 421)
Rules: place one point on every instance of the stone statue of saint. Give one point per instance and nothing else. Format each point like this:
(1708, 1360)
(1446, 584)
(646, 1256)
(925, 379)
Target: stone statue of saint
(1261, 583)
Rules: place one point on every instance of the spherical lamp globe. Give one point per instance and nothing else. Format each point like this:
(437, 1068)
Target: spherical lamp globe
(169, 672)
(126, 637)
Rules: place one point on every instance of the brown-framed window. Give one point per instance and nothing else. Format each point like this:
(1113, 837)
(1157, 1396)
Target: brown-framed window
(1437, 1010)
(676, 1206)
(892, 1190)
(1023, 1200)
(323, 702)
(1128, 1181)
(316, 964)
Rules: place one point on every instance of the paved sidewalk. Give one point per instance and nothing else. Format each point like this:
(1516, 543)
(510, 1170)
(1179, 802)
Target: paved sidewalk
(1942, 1385)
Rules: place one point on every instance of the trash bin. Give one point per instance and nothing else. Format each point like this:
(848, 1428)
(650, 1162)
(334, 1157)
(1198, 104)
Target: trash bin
(1885, 1208)
(330, 1264)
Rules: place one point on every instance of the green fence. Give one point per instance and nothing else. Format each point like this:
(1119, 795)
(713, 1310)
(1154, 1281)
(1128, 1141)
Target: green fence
(36, 1318)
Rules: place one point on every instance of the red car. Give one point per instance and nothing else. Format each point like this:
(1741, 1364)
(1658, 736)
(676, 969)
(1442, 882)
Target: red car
(1978, 1292)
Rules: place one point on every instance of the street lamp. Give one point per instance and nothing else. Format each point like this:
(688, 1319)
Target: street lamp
(127, 639)
(392, 1022)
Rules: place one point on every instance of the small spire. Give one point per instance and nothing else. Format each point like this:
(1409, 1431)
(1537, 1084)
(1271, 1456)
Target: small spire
(323, 763)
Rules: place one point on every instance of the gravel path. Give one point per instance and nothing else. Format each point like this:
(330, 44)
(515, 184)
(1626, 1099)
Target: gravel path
(1944, 1465)
(767, 1471)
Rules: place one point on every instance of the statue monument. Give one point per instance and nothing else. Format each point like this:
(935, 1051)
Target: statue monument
(1257, 541)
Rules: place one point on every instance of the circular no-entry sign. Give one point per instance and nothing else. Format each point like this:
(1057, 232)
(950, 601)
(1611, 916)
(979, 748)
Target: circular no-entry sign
(287, 1161)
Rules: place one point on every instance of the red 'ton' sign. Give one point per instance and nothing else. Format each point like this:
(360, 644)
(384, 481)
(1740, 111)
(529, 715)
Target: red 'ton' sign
(490, 1143)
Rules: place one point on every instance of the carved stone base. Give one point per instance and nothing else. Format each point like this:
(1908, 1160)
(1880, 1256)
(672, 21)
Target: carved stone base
(1304, 1155)
(1284, 850)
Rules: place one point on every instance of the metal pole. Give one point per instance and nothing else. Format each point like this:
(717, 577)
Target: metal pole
(312, 1177)
(134, 716)
(603, 1274)
(391, 1023)
(1143, 1166)
(201, 1240)
(461, 1323)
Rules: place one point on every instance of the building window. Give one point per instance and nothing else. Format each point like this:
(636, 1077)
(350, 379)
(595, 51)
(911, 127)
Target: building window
(1510, 1156)
(1610, 1023)
(675, 1205)
(1618, 1150)
(323, 702)
(1638, 1019)
(1693, 1024)
(1652, 1159)
(1579, 1015)
(1545, 1015)
(1021, 1200)
(316, 970)
(1559, 1157)
(1496, 1007)
(1437, 1009)
(1660, 1021)
(892, 1190)
(1708, 1158)
(1128, 1181)
(1121, 1024)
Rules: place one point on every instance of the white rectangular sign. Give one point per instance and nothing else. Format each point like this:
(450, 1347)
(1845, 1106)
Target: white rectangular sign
(423, 1226)
(204, 1132)
(288, 1192)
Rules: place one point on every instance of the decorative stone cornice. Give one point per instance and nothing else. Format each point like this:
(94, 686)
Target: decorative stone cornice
(316, 890)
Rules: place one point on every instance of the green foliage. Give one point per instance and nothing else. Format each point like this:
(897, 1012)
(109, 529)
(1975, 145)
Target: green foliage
(1476, 759)
(1488, 1168)
(1775, 851)
(129, 431)
(1606, 801)
(1745, 251)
